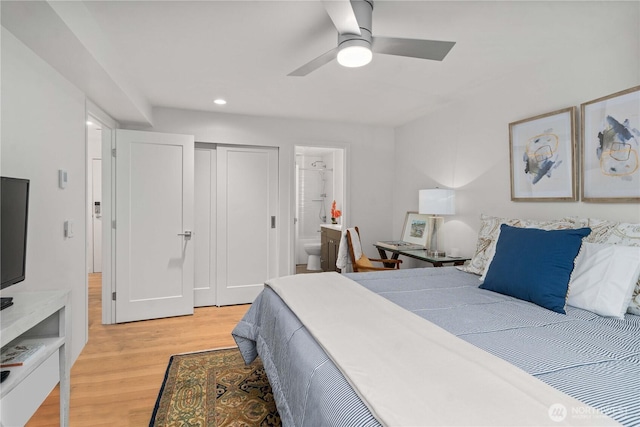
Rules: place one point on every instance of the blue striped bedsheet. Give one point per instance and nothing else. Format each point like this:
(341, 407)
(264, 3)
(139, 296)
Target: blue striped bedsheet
(594, 359)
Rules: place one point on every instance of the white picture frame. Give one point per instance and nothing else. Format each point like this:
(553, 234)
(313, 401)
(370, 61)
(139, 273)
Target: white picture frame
(416, 228)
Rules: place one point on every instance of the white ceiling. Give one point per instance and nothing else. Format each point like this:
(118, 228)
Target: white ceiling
(183, 54)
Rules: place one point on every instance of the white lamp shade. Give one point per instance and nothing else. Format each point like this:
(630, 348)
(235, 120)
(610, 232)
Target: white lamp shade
(437, 201)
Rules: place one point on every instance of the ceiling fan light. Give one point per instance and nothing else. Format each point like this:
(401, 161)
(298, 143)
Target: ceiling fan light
(354, 53)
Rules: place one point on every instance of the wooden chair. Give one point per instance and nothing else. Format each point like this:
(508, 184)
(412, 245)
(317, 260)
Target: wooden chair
(363, 263)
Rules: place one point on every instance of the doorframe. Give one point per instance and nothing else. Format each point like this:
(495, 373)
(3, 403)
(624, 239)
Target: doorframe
(346, 150)
(108, 238)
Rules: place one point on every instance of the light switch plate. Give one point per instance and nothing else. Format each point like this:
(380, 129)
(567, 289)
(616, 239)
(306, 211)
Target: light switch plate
(68, 229)
(62, 178)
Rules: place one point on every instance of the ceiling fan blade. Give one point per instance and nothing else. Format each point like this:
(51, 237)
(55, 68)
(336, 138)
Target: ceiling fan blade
(314, 64)
(424, 49)
(342, 15)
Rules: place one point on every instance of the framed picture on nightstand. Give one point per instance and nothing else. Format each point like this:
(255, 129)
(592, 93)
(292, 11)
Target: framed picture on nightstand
(415, 228)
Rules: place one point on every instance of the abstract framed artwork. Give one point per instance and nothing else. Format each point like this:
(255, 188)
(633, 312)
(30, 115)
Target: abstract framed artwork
(610, 137)
(542, 157)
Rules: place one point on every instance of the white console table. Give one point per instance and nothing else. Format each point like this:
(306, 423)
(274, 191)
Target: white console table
(44, 316)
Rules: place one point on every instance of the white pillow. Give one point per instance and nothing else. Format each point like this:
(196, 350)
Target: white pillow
(603, 278)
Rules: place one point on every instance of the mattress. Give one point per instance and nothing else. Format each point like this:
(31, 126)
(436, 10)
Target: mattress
(593, 359)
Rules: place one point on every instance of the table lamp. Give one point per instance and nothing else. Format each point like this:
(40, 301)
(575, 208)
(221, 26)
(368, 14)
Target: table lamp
(436, 202)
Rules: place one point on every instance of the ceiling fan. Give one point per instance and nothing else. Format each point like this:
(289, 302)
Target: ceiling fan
(356, 44)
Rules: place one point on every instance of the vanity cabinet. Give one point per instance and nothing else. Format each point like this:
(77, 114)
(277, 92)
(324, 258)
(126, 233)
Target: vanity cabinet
(330, 241)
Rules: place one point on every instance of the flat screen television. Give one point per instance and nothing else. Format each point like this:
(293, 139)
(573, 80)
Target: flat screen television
(14, 210)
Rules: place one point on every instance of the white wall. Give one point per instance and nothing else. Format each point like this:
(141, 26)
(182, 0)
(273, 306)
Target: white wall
(465, 145)
(43, 130)
(369, 151)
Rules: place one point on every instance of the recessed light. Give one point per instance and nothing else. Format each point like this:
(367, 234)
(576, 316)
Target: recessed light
(89, 122)
(220, 101)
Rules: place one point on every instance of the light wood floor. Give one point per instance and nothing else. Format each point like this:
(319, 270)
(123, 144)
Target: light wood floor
(302, 269)
(116, 379)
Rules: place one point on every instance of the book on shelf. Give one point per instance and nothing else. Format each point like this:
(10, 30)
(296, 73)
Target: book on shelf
(19, 354)
(399, 245)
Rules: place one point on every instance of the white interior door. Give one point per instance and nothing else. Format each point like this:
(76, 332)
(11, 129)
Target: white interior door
(96, 210)
(153, 212)
(204, 238)
(246, 213)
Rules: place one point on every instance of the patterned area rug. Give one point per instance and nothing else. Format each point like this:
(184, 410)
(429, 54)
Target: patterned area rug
(214, 389)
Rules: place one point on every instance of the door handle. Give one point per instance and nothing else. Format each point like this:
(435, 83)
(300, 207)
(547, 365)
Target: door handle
(186, 234)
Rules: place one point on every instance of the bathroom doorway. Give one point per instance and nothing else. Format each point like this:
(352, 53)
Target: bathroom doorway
(94, 187)
(320, 180)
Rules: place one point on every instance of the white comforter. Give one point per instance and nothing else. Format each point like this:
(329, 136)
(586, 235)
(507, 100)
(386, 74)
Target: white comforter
(459, 384)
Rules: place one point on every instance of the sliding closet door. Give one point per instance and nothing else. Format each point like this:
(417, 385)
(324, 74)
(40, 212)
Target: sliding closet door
(204, 236)
(246, 222)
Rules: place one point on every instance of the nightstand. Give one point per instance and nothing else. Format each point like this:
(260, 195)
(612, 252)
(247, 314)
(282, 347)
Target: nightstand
(421, 254)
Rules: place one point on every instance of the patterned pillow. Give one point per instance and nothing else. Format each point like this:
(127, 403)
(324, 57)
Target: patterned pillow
(617, 233)
(490, 229)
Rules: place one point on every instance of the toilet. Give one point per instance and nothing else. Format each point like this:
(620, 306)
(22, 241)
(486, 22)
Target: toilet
(313, 250)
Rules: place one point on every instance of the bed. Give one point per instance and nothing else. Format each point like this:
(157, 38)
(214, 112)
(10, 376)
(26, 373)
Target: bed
(461, 355)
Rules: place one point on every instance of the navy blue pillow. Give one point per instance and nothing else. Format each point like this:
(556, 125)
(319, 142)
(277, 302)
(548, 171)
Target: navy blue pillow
(534, 265)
